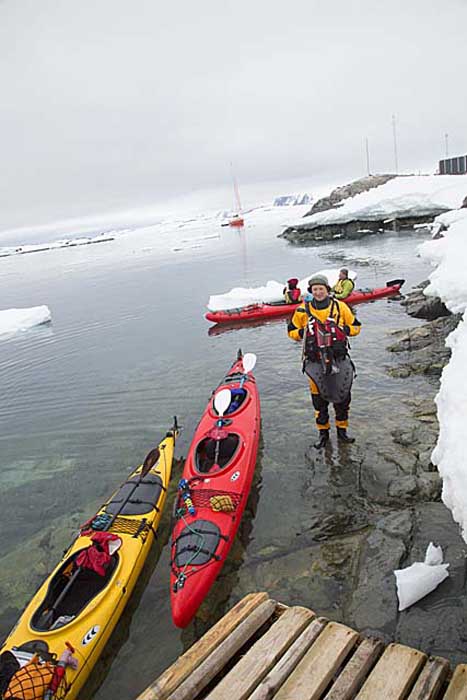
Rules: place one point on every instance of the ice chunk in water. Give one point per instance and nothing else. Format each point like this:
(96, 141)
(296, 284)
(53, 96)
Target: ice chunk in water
(419, 579)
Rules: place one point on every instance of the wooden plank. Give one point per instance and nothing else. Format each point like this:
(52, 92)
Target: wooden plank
(355, 671)
(216, 661)
(457, 688)
(315, 671)
(394, 674)
(282, 670)
(240, 682)
(191, 659)
(430, 680)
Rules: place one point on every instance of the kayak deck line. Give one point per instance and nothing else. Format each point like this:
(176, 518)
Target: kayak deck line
(263, 649)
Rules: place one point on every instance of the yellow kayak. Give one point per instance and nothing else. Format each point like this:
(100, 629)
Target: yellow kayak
(62, 632)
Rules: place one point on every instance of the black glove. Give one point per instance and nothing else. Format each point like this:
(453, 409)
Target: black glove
(301, 332)
(346, 329)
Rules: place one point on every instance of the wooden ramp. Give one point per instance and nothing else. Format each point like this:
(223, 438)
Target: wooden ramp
(262, 649)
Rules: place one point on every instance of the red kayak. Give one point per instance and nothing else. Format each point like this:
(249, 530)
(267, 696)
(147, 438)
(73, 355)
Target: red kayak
(254, 312)
(214, 488)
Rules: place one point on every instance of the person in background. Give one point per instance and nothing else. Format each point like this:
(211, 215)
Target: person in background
(344, 286)
(292, 293)
(320, 313)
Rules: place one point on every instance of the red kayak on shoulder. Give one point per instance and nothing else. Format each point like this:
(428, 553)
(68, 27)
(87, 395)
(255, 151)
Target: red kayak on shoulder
(255, 312)
(214, 488)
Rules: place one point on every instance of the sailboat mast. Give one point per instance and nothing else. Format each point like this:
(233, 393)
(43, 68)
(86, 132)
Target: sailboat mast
(238, 204)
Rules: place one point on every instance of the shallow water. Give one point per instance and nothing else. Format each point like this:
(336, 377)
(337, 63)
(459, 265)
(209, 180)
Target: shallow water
(85, 398)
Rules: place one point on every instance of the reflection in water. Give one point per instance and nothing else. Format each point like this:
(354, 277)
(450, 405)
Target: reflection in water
(220, 328)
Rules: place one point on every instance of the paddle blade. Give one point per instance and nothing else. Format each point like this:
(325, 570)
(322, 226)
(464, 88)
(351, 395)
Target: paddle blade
(222, 401)
(394, 283)
(150, 461)
(249, 361)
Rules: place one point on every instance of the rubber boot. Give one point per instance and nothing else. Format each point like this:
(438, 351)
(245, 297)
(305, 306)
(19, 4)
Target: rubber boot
(343, 437)
(323, 439)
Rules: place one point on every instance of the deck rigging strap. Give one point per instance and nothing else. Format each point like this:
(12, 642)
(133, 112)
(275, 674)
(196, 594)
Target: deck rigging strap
(197, 549)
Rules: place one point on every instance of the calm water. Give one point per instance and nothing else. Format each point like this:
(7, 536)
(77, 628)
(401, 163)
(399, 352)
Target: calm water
(84, 399)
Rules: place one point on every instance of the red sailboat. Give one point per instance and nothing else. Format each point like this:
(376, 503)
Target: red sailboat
(214, 488)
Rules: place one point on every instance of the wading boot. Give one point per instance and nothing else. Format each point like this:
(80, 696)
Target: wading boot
(343, 437)
(323, 439)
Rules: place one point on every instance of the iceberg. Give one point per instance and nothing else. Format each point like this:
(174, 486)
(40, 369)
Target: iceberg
(16, 320)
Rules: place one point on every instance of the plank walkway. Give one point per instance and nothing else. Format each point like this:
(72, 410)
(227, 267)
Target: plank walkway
(262, 649)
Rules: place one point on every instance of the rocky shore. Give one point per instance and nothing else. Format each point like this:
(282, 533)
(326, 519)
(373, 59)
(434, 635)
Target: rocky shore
(355, 228)
(367, 510)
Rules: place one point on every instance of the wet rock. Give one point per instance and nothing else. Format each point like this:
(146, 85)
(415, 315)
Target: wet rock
(403, 488)
(317, 576)
(436, 624)
(429, 486)
(420, 306)
(373, 604)
(411, 489)
(425, 347)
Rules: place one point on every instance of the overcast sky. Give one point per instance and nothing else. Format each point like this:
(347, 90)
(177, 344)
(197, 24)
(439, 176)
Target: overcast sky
(119, 102)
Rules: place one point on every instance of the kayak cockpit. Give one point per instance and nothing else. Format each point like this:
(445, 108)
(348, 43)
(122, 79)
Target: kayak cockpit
(70, 590)
(210, 452)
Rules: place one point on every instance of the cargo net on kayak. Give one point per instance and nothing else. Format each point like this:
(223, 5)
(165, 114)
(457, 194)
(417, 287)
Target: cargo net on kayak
(36, 680)
(123, 526)
(217, 501)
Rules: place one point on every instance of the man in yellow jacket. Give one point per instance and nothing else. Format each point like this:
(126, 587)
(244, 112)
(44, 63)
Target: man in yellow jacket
(323, 324)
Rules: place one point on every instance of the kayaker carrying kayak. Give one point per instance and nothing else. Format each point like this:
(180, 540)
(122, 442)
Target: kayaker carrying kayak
(292, 293)
(323, 325)
(344, 286)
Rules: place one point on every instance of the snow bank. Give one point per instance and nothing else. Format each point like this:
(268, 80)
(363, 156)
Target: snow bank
(14, 320)
(273, 291)
(449, 281)
(418, 195)
(444, 221)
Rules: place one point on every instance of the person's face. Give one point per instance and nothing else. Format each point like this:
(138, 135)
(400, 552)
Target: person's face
(342, 275)
(319, 292)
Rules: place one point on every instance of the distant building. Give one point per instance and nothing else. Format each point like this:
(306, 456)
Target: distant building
(453, 166)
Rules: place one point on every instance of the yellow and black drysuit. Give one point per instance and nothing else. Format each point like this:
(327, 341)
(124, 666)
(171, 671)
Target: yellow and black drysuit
(298, 329)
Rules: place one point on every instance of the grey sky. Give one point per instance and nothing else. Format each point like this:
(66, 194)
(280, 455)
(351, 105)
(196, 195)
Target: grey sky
(114, 103)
